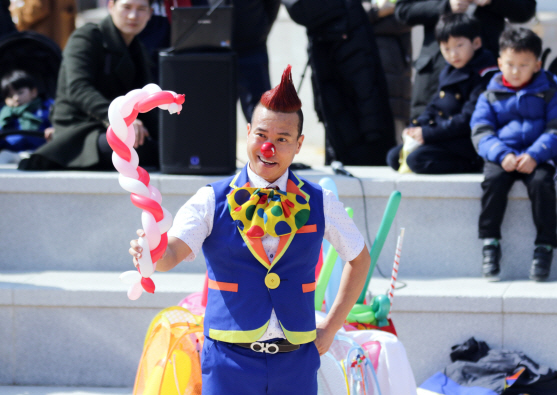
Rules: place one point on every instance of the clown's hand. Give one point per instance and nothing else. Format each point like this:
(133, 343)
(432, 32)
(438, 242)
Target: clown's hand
(135, 249)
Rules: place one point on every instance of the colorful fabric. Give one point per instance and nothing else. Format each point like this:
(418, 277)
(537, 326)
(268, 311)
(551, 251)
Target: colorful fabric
(477, 372)
(439, 384)
(265, 211)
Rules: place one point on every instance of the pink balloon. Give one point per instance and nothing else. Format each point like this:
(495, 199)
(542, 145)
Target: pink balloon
(125, 111)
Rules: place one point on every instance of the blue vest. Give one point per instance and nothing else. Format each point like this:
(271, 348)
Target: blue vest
(239, 302)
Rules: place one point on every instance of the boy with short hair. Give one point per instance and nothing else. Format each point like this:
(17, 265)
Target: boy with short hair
(24, 109)
(443, 129)
(514, 128)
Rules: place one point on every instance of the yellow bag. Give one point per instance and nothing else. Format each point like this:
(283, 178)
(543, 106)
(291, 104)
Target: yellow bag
(409, 145)
(171, 360)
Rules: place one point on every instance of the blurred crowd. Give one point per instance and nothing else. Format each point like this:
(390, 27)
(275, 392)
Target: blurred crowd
(360, 55)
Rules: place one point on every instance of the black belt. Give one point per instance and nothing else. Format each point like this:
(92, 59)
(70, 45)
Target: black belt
(271, 347)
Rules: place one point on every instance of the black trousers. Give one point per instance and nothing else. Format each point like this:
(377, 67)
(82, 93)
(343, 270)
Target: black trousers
(253, 78)
(438, 158)
(541, 191)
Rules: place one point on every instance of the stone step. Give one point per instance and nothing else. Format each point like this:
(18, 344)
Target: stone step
(79, 329)
(26, 390)
(84, 220)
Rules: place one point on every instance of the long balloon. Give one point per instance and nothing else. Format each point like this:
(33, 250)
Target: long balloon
(155, 219)
(386, 222)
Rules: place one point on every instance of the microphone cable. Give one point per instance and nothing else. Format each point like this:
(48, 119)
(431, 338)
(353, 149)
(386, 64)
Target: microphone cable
(338, 168)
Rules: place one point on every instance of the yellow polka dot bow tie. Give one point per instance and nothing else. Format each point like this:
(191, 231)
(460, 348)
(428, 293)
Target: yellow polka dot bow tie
(259, 211)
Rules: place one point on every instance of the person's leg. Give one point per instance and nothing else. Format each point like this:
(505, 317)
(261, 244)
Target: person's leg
(496, 185)
(437, 159)
(298, 371)
(541, 191)
(253, 78)
(232, 370)
(393, 157)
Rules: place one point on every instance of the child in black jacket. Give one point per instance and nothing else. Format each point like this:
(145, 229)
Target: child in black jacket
(442, 131)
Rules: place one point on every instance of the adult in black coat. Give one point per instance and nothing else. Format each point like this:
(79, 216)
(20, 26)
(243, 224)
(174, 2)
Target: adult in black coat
(445, 123)
(253, 20)
(395, 48)
(350, 91)
(6, 23)
(490, 13)
(100, 62)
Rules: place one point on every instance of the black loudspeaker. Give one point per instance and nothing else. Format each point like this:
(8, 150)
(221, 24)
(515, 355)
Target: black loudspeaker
(202, 139)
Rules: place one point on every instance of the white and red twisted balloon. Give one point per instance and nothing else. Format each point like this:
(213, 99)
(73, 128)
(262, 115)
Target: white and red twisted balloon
(155, 219)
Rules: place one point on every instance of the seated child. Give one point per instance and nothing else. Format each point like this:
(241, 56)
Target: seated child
(443, 129)
(24, 109)
(514, 128)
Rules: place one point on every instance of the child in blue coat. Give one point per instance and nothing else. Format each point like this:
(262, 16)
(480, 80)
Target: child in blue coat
(25, 110)
(514, 128)
(443, 129)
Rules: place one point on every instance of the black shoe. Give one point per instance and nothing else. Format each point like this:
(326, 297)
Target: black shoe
(491, 256)
(541, 264)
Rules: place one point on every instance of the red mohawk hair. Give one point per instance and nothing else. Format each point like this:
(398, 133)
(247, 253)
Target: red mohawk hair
(283, 97)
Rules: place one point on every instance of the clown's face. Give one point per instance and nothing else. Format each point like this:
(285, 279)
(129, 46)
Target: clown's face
(280, 129)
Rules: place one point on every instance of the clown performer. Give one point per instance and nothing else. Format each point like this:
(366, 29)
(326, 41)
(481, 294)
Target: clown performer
(261, 233)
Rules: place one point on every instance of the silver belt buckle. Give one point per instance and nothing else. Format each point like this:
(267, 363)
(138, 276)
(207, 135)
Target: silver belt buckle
(268, 348)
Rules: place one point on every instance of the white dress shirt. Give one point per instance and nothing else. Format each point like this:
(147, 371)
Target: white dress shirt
(194, 221)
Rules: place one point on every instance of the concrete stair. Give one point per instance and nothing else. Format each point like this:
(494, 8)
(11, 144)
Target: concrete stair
(26, 390)
(66, 320)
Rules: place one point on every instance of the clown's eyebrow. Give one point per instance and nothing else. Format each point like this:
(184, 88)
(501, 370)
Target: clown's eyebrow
(279, 133)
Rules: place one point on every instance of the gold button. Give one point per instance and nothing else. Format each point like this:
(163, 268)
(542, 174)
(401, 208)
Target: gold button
(440, 113)
(457, 96)
(415, 122)
(442, 94)
(272, 280)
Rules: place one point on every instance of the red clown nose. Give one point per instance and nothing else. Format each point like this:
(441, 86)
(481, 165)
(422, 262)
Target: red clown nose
(268, 150)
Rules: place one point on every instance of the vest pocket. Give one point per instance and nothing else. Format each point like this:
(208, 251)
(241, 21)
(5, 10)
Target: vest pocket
(308, 287)
(222, 286)
(308, 229)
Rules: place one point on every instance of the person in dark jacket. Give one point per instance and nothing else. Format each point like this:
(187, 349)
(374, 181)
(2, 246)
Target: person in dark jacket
(443, 129)
(394, 41)
(515, 130)
(490, 13)
(100, 62)
(348, 81)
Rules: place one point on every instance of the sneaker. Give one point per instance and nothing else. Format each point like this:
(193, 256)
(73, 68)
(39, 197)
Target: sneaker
(491, 256)
(541, 264)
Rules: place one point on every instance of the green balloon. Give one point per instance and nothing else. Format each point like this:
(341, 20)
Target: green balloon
(377, 246)
(363, 314)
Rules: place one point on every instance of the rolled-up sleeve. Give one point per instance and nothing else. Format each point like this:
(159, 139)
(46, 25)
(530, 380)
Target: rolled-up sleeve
(194, 221)
(340, 229)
